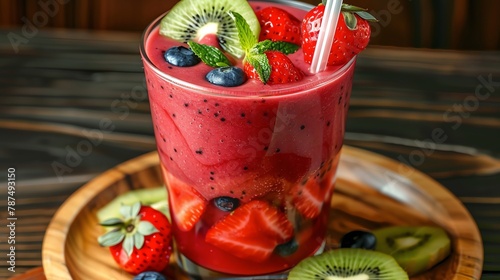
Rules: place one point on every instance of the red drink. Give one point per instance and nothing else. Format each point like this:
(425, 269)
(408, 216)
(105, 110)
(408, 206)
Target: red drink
(267, 153)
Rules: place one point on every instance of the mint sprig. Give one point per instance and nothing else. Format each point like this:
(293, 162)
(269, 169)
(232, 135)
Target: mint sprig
(261, 65)
(245, 35)
(255, 50)
(268, 45)
(211, 56)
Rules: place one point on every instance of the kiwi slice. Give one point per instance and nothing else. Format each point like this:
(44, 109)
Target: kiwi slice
(191, 20)
(348, 263)
(416, 249)
(155, 197)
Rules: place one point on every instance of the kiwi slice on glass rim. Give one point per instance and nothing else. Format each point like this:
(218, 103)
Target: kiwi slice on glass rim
(191, 20)
(416, 248)
(348, 263)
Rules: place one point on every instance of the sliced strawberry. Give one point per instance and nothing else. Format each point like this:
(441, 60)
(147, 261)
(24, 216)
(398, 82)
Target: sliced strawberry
(186, 203)
(278, 25)
(282, 69)
(252, 231)
(351, 36)
(309, 197)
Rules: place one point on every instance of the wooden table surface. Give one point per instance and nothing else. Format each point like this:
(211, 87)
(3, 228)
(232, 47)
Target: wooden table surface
(437, 111)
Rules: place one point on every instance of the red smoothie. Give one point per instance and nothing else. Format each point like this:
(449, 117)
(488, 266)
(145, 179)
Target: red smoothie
(272, 149)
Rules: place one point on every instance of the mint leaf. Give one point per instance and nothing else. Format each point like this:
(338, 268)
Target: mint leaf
(211, 56)
(261, 65)
(261, 47)
(245, 34)
(268, 45)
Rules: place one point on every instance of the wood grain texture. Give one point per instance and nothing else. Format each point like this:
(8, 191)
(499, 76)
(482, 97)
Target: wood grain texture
(361, 201)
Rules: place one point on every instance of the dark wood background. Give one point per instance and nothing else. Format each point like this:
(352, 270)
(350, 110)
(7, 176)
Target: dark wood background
(450, 24)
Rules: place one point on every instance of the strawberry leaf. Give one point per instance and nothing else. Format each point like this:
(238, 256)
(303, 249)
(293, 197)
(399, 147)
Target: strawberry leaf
(245, 35)
(138, 240)
(261, 65)
(128, 245)
(268, 45)
(367, 16)
(136, 207)
(211, 56)
(352, 8)
(111, 238)
(350, 20)
(146, 228)
(130, 211)
(112, 222)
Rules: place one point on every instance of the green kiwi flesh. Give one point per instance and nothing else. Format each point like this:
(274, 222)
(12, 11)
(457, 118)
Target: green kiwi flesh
(416, 249)
(155, 197)
(348, 263)
(191, 20)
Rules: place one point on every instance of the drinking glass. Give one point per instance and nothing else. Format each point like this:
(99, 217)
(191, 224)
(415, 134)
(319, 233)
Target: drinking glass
(250, 174)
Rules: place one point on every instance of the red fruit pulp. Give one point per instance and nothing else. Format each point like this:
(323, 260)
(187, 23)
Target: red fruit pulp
(256, 142)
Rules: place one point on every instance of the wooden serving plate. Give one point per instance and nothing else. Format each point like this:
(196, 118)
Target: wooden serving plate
(371, 191)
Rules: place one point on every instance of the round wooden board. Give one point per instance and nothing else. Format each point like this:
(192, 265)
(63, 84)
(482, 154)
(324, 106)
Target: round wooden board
(371, 192)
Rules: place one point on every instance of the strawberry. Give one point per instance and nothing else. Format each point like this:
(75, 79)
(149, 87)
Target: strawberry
(282, 69)
(252, 231)
(351, 36)
(278, 25)
(140, 241)
(309, 196)
(186, 204)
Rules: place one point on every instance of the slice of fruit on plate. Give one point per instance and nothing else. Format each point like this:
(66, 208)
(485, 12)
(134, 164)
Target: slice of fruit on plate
(154, 197)
(349, 264)
(193, 20)
(416, 249)
(252, 231)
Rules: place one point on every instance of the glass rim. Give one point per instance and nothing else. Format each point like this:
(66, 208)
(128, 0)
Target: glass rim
(233, 91)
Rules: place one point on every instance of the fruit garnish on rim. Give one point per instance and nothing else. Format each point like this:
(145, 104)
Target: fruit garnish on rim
(278, 25)
(265, 60)
(193, 20)
(140, 240)
(351, 35)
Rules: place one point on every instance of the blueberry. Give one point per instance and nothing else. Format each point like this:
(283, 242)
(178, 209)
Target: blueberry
(286, 249)
(229, 76)
(149, 275)
(226, 203)
(359, 239)
(181, 56)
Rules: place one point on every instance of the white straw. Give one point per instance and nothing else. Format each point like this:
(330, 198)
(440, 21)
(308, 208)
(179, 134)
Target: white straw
(326, 35)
